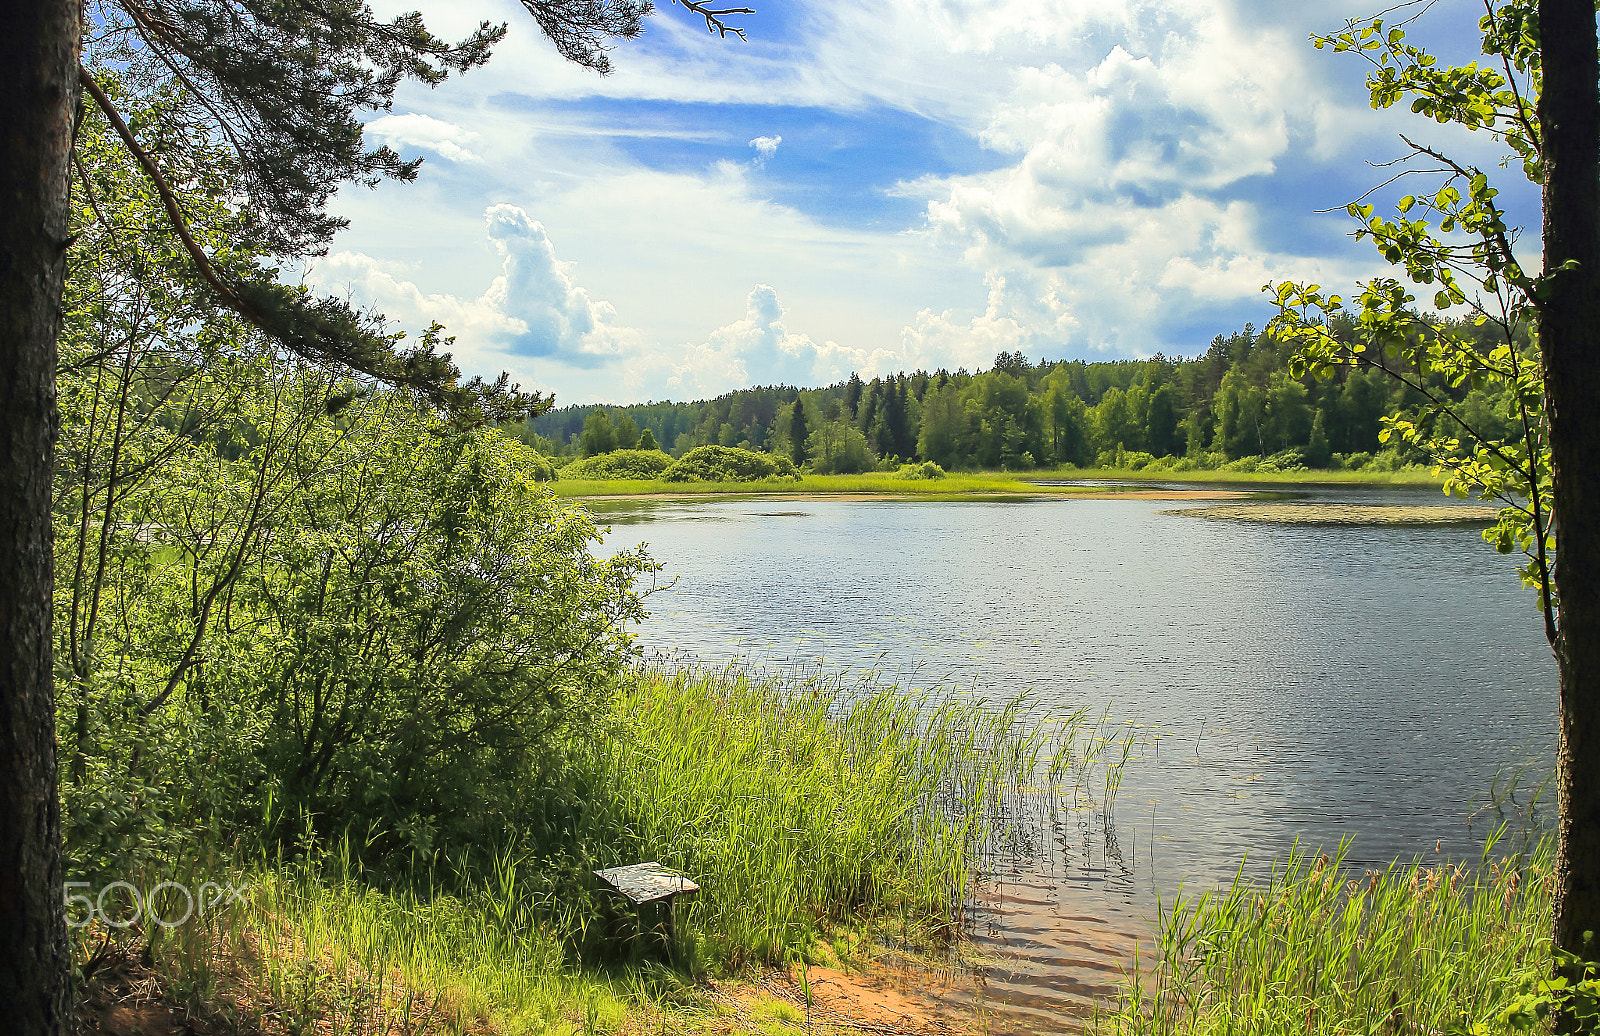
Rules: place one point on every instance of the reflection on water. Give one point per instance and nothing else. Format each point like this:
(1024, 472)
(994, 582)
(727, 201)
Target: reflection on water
(1278, 682)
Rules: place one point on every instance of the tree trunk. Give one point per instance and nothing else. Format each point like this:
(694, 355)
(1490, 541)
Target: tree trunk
(1569, 337)
(39, 55)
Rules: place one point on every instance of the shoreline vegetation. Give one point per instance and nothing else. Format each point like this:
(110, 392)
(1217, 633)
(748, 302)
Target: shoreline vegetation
(834, 827)
(983, 485)
(828, 822)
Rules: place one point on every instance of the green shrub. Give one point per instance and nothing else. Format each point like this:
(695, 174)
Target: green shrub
(927, 469)
(638, 464)
(728, 464)
(415, 653)
(1246, 464)
(839, 448)
(1292, 459)
(540, 468)
(1393, 459)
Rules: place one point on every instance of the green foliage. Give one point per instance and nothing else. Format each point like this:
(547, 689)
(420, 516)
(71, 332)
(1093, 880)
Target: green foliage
(627, 433)
(838, 448)
(803, 802)
(1319, 949)
(539, 467)
(728, 464)
(647, 441)
(273, 96)
(288, 600)
(1538, 991)
(1475, 386)
(637, 464)
(927, 469)
(798, 433)
(599, 434)
(1239, 399)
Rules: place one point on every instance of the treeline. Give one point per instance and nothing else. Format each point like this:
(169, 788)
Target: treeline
(1236, 402)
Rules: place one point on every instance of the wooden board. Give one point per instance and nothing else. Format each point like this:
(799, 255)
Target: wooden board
(647, 882)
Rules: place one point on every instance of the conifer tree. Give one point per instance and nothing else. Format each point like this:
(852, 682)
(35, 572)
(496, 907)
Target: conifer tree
(867, 412)
(852, 394)
(797, 433)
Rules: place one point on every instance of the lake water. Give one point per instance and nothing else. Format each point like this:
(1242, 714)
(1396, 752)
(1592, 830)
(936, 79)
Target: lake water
(1283, 683)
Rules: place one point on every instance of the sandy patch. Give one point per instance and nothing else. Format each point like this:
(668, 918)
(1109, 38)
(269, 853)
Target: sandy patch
(1163, 494)
(884, 1000)
(1348, 514)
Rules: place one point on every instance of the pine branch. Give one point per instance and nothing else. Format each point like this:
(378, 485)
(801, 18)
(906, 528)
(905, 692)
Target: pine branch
(326, 332)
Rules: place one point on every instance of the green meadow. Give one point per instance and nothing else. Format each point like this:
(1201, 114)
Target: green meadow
(956, 485)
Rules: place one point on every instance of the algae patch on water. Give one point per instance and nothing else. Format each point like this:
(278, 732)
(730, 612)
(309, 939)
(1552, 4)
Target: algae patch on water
(1346, 514)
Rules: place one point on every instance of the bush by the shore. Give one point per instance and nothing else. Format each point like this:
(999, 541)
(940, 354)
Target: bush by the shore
(729, 464)
(619, 464)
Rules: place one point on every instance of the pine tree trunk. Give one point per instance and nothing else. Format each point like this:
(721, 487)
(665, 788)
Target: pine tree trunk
(1569, 336)
(39, 55)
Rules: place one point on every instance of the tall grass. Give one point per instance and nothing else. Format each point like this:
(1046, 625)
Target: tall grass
(313, 948)
(800, 802)
(1318, 949)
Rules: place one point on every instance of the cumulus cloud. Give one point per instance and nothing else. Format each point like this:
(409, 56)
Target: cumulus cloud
(445, 139)
(766, 147)
(532, 309)
(1139, 154)
(1120, 211)
(757, 349)
(950, 340)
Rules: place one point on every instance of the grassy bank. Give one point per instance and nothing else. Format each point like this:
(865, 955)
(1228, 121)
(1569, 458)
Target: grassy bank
(1318, 949)
(980, 485)
(811, 812)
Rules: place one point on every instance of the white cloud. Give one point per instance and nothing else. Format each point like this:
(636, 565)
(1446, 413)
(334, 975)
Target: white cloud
(766, 147)
(1128, 146)
(536, 322)
(1115, 218)
(757, 349)
(444, 139)
(950, 340)
(533, 309)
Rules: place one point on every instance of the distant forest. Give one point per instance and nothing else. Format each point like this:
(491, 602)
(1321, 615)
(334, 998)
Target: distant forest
(1237, 401)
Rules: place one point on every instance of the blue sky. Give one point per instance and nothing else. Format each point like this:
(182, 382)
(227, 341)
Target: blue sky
(912, 183)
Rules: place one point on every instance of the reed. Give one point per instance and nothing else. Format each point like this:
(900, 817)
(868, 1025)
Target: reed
(313, 948)
(810, 808)
(1416, 947)
(807, 801)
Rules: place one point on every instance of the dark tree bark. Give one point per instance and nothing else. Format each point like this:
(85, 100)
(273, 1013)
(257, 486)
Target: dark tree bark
(39, 56)
(1569, 337)
(39, 51)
